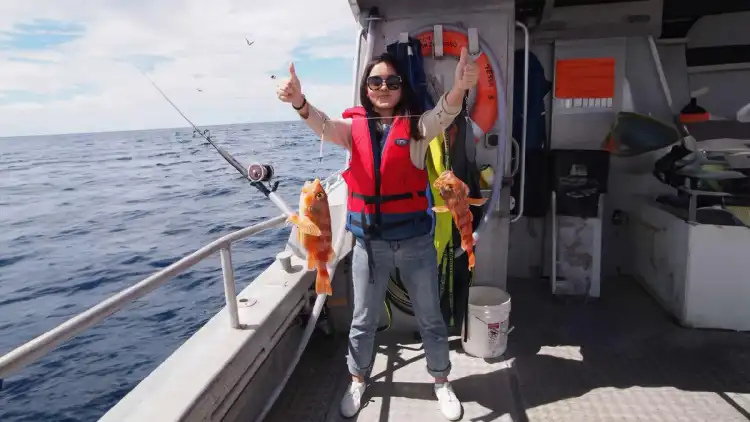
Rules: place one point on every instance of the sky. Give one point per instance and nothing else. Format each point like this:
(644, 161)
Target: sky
(71, 66)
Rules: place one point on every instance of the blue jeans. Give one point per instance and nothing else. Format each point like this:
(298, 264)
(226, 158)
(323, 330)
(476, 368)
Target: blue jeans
(417, 263)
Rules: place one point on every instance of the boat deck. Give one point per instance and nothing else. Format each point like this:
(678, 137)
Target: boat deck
(621, 358)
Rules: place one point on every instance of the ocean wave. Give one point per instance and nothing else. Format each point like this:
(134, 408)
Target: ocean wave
(119, 208)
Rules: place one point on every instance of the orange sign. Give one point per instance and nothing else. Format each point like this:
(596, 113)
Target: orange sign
(585, 78)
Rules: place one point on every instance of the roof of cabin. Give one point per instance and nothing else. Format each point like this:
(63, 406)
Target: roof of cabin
(678, 16)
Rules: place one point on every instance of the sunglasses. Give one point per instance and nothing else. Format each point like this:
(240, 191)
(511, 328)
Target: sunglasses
(393, 82)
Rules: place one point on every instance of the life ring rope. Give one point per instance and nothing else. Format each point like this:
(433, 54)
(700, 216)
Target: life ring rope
(485, 110)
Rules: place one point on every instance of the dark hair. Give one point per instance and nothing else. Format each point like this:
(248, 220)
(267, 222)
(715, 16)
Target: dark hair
(407, 104)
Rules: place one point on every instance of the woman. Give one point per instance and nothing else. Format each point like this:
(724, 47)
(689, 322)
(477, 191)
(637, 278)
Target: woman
(388, 138)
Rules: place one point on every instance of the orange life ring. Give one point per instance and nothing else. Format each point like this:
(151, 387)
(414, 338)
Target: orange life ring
(484, 113)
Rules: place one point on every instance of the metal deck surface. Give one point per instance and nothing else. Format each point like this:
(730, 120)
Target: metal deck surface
(620, 358)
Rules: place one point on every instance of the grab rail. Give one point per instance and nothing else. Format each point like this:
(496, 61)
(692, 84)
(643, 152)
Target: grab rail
(522, 159)
(40, 346)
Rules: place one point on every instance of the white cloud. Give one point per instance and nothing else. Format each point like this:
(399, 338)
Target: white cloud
(191, 44)
(330, 51)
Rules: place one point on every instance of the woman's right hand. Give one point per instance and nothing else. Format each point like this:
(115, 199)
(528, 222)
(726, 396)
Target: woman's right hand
(290, 89)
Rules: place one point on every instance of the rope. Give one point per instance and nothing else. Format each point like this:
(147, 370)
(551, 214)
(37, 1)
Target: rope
(449, 248)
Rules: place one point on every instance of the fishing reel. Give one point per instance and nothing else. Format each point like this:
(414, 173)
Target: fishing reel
(257, 172)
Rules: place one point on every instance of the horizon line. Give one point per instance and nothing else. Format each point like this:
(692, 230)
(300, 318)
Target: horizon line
(143, 129)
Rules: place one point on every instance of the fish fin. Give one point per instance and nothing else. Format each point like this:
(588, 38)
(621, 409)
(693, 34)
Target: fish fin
(477, 202)
(304, 224)
(323, 281)
(440, 208)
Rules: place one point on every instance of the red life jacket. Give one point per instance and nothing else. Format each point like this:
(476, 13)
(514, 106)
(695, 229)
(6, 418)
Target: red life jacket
(387, 197)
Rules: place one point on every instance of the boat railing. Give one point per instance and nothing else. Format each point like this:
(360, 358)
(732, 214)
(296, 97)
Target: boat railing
(40, 346)
(333, 180)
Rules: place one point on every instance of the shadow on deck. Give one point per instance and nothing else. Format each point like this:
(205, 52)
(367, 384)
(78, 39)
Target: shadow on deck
(621, 358)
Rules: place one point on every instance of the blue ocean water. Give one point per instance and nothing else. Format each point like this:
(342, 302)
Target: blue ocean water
(84, 216)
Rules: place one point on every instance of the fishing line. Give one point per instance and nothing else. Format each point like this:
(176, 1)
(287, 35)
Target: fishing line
(322, 138)
(256, 173)
(325, 120)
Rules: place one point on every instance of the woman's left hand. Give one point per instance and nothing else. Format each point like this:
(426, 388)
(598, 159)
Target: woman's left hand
(467, 72)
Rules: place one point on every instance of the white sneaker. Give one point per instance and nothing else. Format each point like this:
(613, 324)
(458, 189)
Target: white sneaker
(449, 404)
(352, 399)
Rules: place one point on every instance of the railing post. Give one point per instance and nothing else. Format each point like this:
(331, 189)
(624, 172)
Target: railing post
(230, 291)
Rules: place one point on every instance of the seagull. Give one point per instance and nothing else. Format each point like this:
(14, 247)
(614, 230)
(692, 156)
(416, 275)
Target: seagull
(249, 42)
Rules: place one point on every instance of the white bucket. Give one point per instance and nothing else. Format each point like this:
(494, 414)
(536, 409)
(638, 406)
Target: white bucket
(487, 327)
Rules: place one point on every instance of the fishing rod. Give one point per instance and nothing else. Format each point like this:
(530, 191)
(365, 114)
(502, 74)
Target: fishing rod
(256, 173)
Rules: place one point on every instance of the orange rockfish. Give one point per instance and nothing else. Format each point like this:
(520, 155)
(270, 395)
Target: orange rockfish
(455, 194)
(314, 232)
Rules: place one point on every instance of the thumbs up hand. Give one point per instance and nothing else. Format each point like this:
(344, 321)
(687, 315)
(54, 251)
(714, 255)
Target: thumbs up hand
(289, 90)
(467, 72)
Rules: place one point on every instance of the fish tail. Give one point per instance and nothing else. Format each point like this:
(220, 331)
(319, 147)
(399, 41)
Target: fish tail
(323, 281)
(472, 260)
